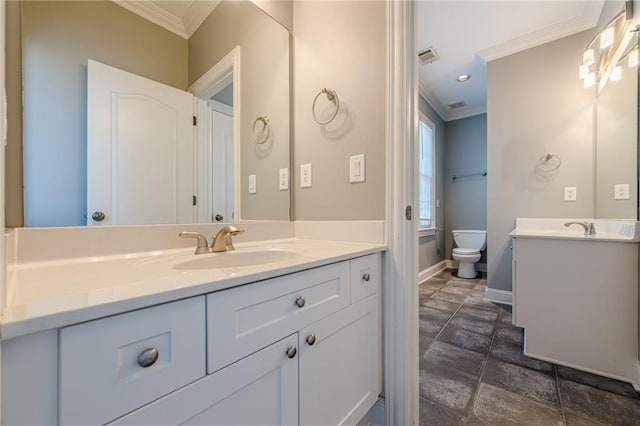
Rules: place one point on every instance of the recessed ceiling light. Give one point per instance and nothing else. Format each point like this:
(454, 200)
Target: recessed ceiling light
(464, 77)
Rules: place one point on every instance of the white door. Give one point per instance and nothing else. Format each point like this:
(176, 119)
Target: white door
(140, 150)
(222, 164)
(261, 389)
(340, 365)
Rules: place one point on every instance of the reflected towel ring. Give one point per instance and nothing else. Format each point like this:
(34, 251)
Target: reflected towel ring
(545, 159)
(266, 130)
(331, 96)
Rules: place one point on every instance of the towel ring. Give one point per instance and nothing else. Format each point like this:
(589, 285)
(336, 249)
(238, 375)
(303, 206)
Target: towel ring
(331, 96)
(545, 159)
(265, 129)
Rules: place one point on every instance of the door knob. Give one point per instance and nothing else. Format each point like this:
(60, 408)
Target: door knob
(98, 216)
(300, 302)
(219, 218)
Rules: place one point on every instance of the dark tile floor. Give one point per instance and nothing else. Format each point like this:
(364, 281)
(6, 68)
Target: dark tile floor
(473, 370)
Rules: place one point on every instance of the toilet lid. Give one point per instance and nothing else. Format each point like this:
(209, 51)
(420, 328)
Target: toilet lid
(465, 251)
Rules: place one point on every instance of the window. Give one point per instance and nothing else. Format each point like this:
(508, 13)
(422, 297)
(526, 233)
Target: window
(426, 166)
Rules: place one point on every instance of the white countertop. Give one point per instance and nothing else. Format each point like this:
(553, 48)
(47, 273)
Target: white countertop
(52, 294)
(607, 230)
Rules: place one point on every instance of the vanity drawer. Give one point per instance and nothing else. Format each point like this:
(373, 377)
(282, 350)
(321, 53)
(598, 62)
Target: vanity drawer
(244, 319)
(101, 377)
(366, 276)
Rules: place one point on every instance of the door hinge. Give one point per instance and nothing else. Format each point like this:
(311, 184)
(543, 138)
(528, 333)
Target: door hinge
(195, 120)
(195, 200)
(407, 212)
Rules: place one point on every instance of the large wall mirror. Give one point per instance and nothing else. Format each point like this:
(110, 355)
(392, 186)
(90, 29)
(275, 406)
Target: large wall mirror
(617, 138)
(234, 72)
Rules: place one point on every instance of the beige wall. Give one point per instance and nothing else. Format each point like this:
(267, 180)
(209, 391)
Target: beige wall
(280, 10)
(13, 152)
(536, 104)
(58, 39)
(340, 45)
(264, 65)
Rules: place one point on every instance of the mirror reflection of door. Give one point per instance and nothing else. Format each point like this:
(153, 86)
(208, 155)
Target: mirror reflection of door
(140, 150)
(222, 173)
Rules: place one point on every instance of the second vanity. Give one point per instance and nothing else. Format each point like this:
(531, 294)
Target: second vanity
(293, 339)
(576, 295)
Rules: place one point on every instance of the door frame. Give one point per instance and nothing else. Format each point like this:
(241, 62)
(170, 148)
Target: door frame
(401, 259)
(210, 83)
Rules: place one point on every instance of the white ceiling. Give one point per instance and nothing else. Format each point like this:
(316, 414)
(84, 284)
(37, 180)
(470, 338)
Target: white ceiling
(467, 34)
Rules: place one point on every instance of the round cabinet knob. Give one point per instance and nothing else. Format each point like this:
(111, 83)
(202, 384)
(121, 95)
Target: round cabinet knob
(300, 302)
(219, 218)
(98, 216)
(148, 357)
(366, 276)
(291, 352)
(311, 339)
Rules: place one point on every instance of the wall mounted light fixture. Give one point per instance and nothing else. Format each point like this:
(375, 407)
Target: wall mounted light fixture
(602, 54)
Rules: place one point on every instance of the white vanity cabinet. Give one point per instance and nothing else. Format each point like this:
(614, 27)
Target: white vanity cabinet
(303, 348)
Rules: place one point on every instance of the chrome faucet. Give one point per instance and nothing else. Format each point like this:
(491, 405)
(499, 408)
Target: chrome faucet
(222, 240)
(589, 227)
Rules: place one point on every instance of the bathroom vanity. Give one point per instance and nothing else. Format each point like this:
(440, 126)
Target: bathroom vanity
(576, 295)
(293, 339)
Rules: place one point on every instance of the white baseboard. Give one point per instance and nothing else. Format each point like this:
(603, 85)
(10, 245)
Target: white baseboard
(498, 296)
(635, 382)
(432, 270)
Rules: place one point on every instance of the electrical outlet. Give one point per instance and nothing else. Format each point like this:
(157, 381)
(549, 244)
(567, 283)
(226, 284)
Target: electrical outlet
(621, 191)
(570, 193)
(305, 176)
(357, 168)
(252, 184)
(283, 179)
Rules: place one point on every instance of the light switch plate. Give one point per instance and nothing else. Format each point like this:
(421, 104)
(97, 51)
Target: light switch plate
(621, 191)
(570, 193)
(252, 184)
(305, 176)
(357, 168)
(283, 179)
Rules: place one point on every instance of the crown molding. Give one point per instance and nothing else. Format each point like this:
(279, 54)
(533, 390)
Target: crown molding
(196, 14)
(432, 100)
(155, 14)
(588, 19)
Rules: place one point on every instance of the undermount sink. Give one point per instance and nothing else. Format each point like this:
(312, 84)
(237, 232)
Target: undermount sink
(237, 259)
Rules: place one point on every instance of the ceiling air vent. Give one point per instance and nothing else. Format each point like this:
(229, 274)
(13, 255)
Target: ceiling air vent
(457, 105)
(428, 55)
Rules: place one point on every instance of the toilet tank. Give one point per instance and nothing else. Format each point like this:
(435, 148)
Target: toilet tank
(470, 239)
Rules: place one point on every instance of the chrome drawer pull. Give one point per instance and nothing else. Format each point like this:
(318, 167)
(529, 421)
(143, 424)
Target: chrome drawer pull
(300, 302)
(366, 276)
(148, 357)
(311, 339)
(291, 352)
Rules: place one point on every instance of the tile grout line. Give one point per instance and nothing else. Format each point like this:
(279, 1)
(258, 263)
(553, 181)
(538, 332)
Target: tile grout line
(472, 402)
(562, 413)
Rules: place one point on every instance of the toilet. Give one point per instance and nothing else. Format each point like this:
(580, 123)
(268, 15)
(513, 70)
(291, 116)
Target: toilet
(469, 243)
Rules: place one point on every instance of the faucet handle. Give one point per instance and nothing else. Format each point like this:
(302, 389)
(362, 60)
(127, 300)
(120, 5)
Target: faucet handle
(203, 244)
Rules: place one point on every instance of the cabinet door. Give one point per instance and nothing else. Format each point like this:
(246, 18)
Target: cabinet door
(261, 389)
(340, 365)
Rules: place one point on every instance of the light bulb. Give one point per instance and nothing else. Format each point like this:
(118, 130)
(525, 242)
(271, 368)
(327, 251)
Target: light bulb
(583, 71)
(633, 58)
(606, 38)
(590, 80)
(616, 74)
(588, 57)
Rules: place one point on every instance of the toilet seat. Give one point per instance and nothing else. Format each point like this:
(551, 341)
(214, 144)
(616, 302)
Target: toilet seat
(465, 251)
